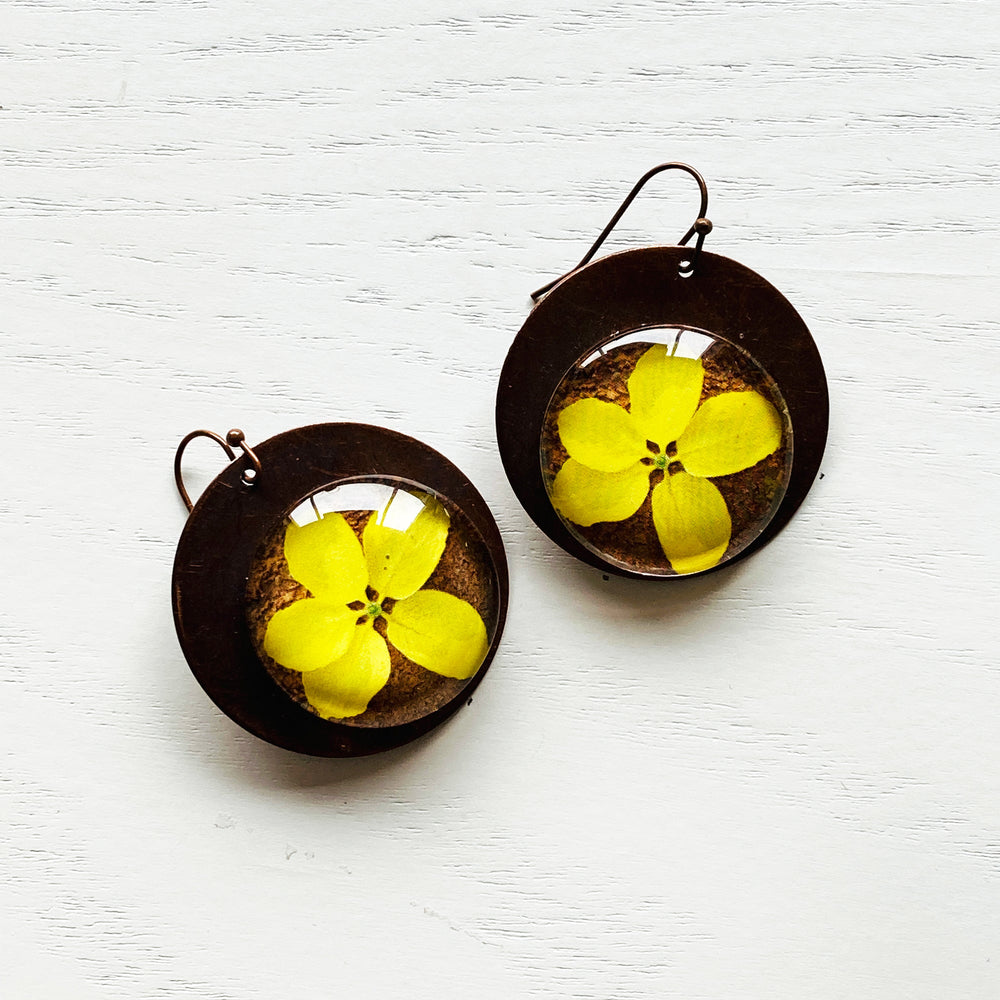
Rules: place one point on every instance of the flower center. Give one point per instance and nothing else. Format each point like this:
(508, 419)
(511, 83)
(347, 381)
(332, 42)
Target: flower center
(374, 610)
(664, 462)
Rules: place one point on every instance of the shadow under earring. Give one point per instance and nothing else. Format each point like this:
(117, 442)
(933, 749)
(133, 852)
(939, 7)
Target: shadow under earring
(339, 589)
(663, 411)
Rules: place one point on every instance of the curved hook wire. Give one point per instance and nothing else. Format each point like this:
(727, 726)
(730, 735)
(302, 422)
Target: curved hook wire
(701, 225)
(233, 439)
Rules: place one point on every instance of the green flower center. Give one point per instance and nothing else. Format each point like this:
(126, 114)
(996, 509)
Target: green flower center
(374, 610)
(660, 462)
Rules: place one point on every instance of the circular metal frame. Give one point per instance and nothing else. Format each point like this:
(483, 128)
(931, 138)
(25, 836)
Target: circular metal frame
(221, 538)
(651, 287)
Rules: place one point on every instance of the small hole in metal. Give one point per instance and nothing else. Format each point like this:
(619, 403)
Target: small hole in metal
(685, 269)
(249, 475)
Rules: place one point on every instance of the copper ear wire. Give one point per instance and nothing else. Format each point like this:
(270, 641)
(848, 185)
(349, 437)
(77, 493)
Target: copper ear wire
(701, 226)
(233, 439)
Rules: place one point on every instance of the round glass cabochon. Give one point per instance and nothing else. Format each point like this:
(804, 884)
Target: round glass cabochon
(666, 450)
(373, 603)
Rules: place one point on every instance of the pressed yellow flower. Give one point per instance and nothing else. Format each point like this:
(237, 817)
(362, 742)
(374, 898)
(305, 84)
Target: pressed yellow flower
(613, 452)
(330, 637)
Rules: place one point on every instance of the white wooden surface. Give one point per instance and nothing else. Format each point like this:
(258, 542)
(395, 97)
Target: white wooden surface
(780, 781)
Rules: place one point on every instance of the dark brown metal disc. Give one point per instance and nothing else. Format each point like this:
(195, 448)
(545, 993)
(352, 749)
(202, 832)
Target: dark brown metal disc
(636, 290)
(222, 537)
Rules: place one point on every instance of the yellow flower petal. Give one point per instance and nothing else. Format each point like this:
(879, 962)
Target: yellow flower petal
(399, 562)
(440, 632)
(600, 435)
(309, 634)
(344, 687)
(664, 393)
(691, 521)
(325, 557)
(729, 433)
(586, 497)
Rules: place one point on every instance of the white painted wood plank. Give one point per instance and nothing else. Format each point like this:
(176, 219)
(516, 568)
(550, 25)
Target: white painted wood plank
(777, 781)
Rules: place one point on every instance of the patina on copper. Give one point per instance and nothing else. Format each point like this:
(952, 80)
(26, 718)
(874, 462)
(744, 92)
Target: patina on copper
(223, 535)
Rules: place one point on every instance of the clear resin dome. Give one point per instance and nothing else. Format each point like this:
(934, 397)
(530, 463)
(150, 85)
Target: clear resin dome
(374, 602)
(666, 451)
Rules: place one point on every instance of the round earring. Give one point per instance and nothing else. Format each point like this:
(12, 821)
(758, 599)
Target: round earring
(663, 411)
(339, 589)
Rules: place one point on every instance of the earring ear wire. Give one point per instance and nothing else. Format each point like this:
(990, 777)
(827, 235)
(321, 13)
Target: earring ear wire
(701, 226)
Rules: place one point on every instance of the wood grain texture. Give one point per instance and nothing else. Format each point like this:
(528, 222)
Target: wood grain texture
(780, 781)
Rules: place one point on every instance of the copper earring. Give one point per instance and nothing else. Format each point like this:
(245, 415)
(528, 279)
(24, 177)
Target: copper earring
(338, 589)
(663, 411)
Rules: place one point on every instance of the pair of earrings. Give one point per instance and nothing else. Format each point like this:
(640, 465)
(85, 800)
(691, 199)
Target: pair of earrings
(341, 589)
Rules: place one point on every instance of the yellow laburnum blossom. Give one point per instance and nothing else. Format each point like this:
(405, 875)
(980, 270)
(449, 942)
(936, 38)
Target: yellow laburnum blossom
(343, 660)
(614, 451)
